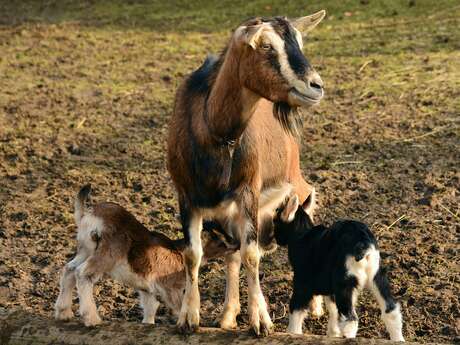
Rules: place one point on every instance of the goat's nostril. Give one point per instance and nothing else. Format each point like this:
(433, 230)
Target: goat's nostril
(315, 85)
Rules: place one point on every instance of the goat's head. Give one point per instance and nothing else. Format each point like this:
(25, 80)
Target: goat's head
(272, 64)
(292, 217)
(217, 243)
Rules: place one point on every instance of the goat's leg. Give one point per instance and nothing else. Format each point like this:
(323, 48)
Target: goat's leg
(259, 319)
(316, 306)
(391, 313)
(232, 291)
(300, 299)
(333, 329)
(63, 305)
(149, 305)
(87, 275)
(345, 300)
(189, 316)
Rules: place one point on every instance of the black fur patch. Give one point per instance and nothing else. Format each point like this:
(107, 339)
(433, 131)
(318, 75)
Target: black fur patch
(200, 81)
(383, 285)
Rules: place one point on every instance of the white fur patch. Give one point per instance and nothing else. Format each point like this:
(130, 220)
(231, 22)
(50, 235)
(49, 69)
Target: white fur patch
(333, 329)
(89, 225)
(296, 321)
(365, 269)
(298, 36)
(278, 44)
(123, 273)
(271, 198)
(222, 212)
(348, 328)
(393, 323)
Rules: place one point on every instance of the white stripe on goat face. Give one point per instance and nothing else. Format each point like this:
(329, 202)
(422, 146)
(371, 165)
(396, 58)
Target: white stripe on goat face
(272, 37)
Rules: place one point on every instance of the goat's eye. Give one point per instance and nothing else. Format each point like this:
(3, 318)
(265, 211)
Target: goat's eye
(266, 46)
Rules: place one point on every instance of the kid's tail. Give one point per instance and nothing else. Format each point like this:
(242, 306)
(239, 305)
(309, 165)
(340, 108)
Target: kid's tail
(80, 200)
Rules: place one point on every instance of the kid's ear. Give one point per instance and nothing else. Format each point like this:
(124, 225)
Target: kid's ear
(309, 204)
(288, 213)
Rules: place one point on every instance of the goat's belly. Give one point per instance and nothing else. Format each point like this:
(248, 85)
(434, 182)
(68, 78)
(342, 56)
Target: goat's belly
(227, 211)
(123, 273)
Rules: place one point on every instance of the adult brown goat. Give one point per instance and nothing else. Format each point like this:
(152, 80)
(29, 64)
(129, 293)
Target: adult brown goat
(233, 153)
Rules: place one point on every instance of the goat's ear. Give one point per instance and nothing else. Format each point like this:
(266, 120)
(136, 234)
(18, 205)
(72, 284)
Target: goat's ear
(308, 23)
(288, 213)
(250, 34)
(309, 204)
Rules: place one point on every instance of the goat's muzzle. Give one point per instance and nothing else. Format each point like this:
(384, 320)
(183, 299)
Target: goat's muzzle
(307, 92)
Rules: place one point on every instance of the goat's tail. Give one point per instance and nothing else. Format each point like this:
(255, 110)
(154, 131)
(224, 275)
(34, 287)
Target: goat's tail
(80, 200)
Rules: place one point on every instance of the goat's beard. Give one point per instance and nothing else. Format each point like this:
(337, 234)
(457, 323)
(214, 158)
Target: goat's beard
(289, 118)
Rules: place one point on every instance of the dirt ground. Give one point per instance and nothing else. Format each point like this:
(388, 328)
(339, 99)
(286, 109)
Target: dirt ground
(87, 103)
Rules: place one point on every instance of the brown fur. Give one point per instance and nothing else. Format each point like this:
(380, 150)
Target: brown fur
(226, 144)
(109, 238)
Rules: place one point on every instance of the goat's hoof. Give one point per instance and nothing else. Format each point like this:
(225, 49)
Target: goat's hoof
(262, 330)
(333, 334)
(63, 314)
(91, 321)
(186, 327)
(228, 323)
(255, 330)
(229, 326)
(266, 330)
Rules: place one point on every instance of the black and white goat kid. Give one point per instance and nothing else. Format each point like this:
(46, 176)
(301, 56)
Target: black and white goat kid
(335, 262)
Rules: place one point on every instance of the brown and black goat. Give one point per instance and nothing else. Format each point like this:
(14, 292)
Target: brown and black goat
(112, 242)
(233, 153)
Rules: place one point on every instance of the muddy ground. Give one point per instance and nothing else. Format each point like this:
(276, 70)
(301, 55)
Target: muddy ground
(87, 100)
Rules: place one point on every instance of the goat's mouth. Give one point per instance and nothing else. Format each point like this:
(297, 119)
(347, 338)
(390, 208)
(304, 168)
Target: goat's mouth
(312, 96)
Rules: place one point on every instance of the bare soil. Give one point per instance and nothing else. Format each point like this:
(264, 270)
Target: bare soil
(82, 104)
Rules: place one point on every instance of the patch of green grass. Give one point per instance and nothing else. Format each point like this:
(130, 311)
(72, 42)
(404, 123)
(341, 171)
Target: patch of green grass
(207, 16)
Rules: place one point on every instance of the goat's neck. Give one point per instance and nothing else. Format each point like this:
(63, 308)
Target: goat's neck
(229, 105)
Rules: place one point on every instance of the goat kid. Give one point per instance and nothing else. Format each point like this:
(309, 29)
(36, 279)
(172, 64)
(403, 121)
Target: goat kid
(112, 242)
(336, 262)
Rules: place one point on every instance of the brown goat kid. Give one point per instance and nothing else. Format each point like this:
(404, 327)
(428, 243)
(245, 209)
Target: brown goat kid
(233, 153)
(112, 242)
